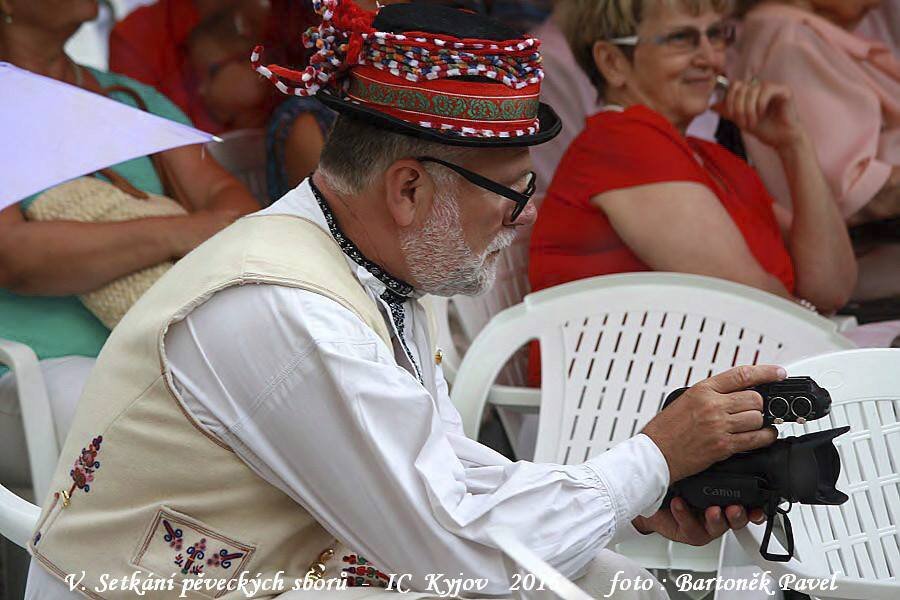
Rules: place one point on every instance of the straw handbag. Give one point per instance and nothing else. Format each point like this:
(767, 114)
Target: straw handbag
(91, 200)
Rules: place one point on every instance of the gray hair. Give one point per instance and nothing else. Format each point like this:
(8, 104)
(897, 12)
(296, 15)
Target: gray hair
(356, 154)
(585, 22)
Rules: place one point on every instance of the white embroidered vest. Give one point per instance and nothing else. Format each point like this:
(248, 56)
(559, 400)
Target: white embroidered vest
(141, 487)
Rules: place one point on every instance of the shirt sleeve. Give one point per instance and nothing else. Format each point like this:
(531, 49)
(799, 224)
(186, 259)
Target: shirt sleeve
(839, 111)
(319, 408)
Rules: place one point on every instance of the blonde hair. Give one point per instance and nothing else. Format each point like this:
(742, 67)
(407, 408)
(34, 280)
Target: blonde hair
(584, 22)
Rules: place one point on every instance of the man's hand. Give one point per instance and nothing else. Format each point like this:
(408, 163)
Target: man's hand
(713, 420)
(679, 523)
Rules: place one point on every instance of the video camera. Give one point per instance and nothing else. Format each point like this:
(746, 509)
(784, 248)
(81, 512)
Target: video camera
(800, 469)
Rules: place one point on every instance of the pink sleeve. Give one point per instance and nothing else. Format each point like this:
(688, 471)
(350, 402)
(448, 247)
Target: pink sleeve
(841, 113)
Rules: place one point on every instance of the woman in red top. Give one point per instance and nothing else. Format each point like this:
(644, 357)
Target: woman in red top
(633, 193)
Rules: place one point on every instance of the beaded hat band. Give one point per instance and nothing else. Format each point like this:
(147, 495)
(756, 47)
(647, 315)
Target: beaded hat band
(466, 81)
(449, 105)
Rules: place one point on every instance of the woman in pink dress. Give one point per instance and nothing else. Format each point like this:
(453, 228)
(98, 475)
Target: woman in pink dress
(847, 90)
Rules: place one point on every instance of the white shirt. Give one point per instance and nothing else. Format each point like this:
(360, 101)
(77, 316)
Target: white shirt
(314, 402)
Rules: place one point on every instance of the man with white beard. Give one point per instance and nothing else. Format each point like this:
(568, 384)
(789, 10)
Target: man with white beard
(278, 391)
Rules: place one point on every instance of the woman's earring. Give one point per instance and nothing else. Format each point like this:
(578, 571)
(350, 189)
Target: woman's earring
(7, 19)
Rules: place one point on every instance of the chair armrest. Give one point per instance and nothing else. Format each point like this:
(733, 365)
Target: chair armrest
(37, 418)
(18, 518)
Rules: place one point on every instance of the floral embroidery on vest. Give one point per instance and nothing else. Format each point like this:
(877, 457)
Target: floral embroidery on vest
(173, 535)
(362, 573)
(193, 562)
(82, 472)
(193, 548)
(223, 558)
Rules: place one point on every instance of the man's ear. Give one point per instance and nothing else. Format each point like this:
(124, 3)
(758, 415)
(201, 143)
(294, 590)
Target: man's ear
(611, 62)
(409, 191)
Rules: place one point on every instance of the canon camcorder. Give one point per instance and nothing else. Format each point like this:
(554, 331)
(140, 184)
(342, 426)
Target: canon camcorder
(802, 469)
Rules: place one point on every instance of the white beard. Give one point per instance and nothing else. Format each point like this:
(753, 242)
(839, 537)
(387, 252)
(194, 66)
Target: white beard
(441, 261)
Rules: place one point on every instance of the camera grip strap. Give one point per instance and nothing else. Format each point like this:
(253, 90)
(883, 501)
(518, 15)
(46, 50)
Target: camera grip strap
(772, 510)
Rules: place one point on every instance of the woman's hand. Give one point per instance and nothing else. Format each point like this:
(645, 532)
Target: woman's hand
(764, 110)
(679, 523)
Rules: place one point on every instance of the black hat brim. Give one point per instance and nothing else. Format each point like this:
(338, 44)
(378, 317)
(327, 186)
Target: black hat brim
(549, 122)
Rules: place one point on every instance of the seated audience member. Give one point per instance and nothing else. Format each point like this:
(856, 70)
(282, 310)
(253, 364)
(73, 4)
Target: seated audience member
(633, 193)
(569, 89)
(847, 92)
(330, 349)
(44, 264)
(232, 93)
(150, 46)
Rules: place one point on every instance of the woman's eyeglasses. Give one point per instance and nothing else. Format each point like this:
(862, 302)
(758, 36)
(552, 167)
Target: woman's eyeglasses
(686, 39)
(520, 198)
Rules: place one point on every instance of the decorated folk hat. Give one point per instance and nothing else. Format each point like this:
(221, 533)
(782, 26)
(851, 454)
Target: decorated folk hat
(424, 70)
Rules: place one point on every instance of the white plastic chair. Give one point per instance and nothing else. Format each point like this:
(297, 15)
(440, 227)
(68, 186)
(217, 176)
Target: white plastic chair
(17, 516)
(37, 418)
(858, 541)
(243, 154)
(612, 347)
(520, 560)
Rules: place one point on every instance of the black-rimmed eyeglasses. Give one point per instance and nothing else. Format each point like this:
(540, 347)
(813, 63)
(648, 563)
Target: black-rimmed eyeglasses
(520, 198)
